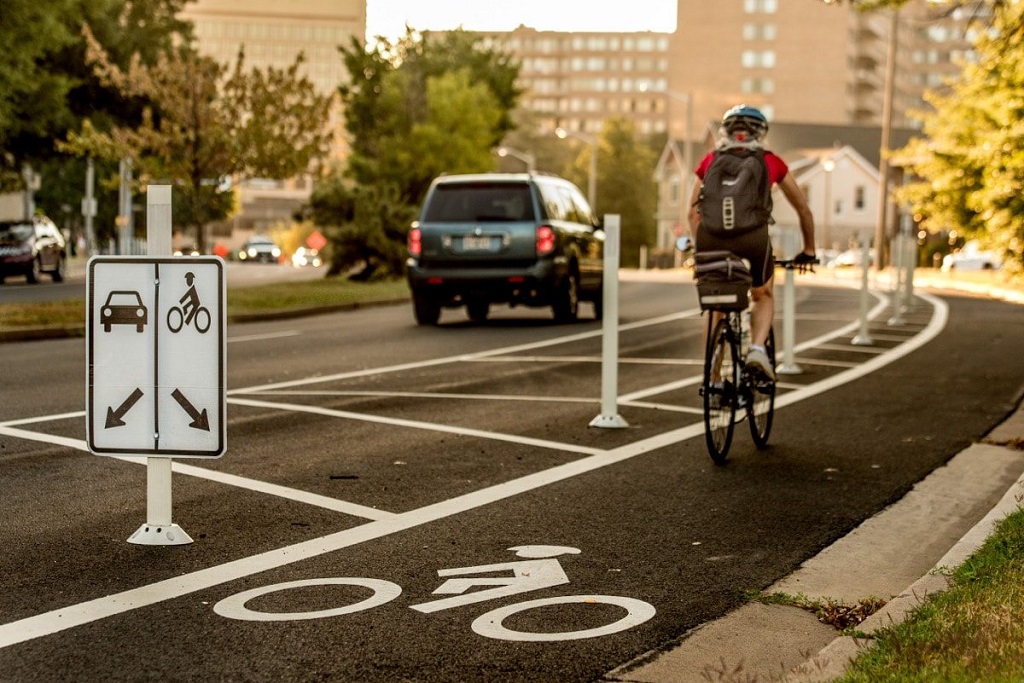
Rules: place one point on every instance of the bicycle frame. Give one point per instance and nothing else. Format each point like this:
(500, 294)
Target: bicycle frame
(729, 388)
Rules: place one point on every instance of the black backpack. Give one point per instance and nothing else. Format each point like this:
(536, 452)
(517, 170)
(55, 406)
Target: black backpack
(737, 192)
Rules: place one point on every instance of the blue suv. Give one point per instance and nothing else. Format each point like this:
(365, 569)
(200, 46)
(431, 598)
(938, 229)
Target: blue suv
(516, 238)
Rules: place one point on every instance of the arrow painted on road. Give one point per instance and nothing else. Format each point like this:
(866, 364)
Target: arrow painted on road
(199, 419)
(114, 417)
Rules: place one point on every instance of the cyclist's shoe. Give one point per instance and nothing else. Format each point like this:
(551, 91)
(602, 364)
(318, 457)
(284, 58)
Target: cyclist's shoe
(758, 363)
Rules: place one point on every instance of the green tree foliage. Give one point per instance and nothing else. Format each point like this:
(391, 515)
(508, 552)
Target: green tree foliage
(48, 88)
(625, 184)
(202, 126)
(414, 109)
(972, 159)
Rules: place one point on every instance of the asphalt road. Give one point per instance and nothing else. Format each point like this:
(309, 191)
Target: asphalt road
(366, 454)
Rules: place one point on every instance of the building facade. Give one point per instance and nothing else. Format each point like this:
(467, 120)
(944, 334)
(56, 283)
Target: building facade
(577, 80)
(272, 34)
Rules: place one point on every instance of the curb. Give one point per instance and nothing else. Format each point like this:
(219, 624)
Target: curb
(834, 659)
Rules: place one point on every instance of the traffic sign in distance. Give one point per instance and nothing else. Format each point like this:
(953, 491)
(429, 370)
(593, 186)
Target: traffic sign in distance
(156, 356)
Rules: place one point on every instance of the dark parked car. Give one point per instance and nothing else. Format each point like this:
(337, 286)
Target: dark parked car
(260, 250)
(514, 238)
(32, 247)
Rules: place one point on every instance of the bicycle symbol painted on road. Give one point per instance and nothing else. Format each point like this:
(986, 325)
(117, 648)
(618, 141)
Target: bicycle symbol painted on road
(538, 570)
(191, 312)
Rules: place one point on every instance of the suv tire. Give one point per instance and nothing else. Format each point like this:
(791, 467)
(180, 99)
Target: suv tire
(426, 310)
(567, 299)
(477, 309)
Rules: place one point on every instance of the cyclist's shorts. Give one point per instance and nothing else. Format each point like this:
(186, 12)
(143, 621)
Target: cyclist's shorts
(754, 246)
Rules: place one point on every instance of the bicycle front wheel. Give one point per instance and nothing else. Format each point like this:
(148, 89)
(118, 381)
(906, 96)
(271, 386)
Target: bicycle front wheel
(761, 409)
(721, 379)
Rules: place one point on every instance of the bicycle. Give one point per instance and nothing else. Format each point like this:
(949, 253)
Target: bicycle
(728, 386)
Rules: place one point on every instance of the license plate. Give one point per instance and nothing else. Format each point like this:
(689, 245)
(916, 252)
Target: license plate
(476, 243)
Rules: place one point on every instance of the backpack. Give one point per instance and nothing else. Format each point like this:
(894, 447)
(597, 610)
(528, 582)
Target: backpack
(737, 194)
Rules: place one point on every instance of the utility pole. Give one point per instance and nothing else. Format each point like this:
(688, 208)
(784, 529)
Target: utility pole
(883, 163)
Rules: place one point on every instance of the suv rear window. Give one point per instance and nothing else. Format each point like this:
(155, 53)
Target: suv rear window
(472, 202)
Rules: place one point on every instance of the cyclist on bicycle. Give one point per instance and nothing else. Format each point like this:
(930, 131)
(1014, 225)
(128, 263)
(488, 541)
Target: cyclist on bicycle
(744, 126)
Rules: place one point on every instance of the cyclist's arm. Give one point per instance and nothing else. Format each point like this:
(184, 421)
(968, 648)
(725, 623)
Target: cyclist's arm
(796, 199)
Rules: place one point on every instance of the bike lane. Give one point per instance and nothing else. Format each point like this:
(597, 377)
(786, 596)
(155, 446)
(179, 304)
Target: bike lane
(584, 499)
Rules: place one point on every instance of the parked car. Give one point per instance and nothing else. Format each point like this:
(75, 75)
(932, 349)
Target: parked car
(260, 250)
(852, 258)
(305, 256)
(971, 257)
(517, 238)
(187, 250)
(30, 248)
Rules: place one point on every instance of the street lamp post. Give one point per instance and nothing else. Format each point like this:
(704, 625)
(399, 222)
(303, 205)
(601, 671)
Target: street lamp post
(592, 178)
(525, 157)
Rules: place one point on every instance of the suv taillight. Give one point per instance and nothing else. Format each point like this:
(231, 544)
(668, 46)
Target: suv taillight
(545, 240)
(415, 242)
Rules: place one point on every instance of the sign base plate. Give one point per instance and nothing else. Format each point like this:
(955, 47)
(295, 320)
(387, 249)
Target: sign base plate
(166, 534)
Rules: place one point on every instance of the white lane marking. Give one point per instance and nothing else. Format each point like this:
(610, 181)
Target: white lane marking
(434, 394)
(262, 337)
(416, 424)
(504, 351)
(100, 608)
(588, 359)
(849, 348)
(671, 408)
(44, 418)
(296, 495)
(234, 607)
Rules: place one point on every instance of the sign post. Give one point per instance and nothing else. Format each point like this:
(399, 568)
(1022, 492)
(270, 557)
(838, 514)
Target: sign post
(155, 340)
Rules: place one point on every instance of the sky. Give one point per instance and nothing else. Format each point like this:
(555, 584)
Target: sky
(389, 17)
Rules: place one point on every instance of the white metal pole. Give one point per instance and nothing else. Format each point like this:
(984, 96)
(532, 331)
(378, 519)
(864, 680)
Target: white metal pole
(896, 292)
(609, 417)
(159, 529)
(863, 337)
(789, 365)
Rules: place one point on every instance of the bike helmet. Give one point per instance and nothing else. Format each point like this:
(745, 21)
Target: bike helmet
(745, 119)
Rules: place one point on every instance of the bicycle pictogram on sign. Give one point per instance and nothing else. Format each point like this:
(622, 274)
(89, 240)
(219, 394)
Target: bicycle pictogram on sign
(191, 310)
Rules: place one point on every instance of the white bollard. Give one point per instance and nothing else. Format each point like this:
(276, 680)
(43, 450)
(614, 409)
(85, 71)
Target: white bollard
(896, 293)
(863, 337)
(789, 366)
(609, 417)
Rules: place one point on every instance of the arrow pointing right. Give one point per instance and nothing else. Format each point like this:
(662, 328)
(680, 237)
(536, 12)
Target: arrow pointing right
(114, 417)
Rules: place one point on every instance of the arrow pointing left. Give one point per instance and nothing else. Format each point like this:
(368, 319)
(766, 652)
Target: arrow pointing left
(114, 417)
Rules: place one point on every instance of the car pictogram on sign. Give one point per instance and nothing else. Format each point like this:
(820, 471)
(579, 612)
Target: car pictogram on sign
(123, 308)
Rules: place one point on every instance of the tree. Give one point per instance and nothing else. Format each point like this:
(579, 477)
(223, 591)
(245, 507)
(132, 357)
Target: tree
(971, 163)
(625, 183)
(48, 86)
(200, 130)
(413, 109)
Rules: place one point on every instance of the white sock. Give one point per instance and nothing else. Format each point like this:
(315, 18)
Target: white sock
(755, 347)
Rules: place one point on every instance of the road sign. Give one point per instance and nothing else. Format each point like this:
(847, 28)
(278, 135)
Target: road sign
(156, 350)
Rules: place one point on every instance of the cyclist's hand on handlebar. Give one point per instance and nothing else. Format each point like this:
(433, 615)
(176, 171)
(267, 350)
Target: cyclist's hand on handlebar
(684, 243)
(804, 262)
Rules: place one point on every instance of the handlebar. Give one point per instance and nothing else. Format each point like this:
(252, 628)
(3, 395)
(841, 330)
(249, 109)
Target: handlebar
(800, 265)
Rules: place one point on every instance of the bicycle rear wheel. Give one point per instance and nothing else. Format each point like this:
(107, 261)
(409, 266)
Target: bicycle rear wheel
(721, 379)
(761, 409)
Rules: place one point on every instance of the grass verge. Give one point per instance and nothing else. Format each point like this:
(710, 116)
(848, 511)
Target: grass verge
(276, 297)
(974, 631)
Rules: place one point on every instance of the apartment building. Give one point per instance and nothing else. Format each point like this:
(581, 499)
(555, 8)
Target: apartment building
(577, 80)
(273, 33)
